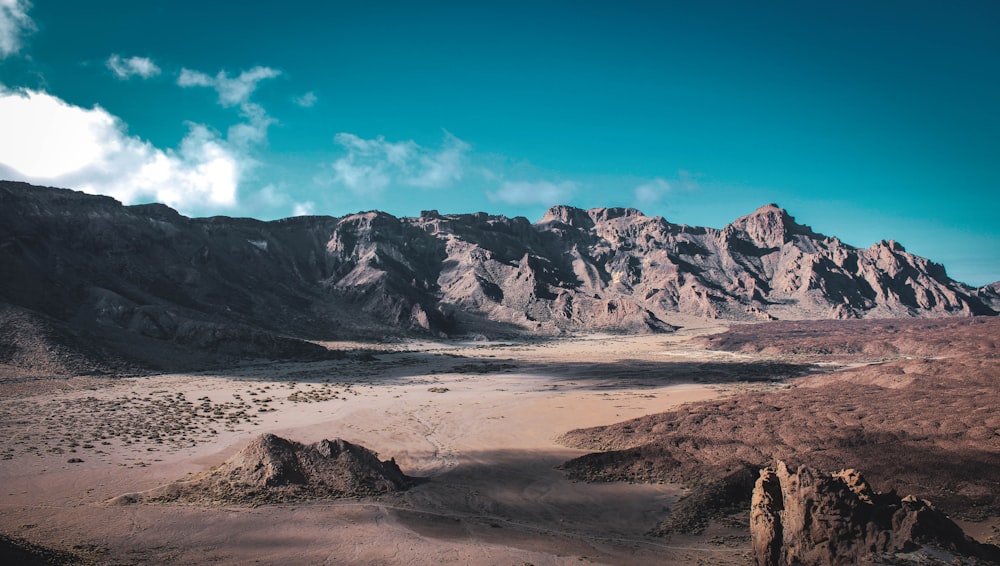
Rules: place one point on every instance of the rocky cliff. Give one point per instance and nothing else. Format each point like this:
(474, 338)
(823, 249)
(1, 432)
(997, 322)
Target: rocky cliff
(990, 295)
(804, 517)
(147, 275)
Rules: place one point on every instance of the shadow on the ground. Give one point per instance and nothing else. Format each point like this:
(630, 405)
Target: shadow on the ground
(394, 368)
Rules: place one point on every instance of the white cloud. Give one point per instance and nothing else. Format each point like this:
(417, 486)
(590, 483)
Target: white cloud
(254, 130)
(14, 24)
(520, 193)
(125, 69)
(303, 208)
(268, 197)
(652, 191)
(274, 200)
(307, 100)
(443, 168)
(372, 165)
(687, 181)
(48, 140)
(237, 92)
(234, 91)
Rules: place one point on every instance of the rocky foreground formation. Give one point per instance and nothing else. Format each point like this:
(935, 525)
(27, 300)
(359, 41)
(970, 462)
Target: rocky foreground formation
(271, 469)
(157, 287)
(813, 519)
(918, 412)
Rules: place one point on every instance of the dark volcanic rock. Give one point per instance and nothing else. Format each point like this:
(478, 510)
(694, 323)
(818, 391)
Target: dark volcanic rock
(15, 550)
(272, 469)
(804, 517)
(150, 283)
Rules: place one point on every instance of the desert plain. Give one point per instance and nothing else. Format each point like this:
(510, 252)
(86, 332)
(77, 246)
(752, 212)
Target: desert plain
(482, 425)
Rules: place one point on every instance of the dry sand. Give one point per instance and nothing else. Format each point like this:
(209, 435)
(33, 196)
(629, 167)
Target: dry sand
(477, 420)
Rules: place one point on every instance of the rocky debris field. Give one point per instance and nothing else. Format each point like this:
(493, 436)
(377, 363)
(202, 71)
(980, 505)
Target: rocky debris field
(915, 410)
(100, 418)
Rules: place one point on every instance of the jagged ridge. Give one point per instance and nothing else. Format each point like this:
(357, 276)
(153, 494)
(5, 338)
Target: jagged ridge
(146, 273)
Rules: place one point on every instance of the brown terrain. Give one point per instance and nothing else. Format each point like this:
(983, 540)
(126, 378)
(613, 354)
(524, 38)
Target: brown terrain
(152, 367)
(914, 409)
(164, 468)
(129, 470)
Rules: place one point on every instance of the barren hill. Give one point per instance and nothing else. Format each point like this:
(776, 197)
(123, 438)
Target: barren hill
(272, 469)
(151, 284)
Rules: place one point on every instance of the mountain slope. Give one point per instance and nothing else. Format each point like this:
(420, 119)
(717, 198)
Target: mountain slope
(617, 268)
(148, 275)
(990, 295)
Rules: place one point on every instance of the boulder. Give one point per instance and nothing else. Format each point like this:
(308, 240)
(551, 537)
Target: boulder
(810, 518)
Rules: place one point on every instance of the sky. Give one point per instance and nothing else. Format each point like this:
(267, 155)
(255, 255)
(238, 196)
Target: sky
(864, 120)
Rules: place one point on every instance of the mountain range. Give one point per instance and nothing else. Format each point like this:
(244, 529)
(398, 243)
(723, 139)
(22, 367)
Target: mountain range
(89, 284)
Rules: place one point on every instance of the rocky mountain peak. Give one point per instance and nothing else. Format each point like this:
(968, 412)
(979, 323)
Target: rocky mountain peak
(890, 245)
(606, 214)
(769, 226)
(568, 215)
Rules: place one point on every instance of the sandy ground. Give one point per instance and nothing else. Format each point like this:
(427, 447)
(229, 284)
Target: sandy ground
(477, 420)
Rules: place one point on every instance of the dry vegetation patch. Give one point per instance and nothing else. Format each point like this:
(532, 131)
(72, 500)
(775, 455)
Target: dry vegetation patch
(90, 424)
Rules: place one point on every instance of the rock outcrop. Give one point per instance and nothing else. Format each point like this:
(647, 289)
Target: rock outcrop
(157, 286)
(808, 518)
(272, 469)
(922, 418)
(990, 295)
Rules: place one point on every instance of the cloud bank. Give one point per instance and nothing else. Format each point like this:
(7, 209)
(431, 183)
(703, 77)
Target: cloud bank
(50, 141)
(89, 149)
(14, 25)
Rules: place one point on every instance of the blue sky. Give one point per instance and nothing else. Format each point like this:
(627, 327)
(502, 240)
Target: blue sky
(865, 120)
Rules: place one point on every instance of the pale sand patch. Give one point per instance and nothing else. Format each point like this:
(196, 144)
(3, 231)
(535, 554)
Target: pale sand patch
(485, 446)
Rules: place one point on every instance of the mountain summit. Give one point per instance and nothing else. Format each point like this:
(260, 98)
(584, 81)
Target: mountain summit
(85, 267)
